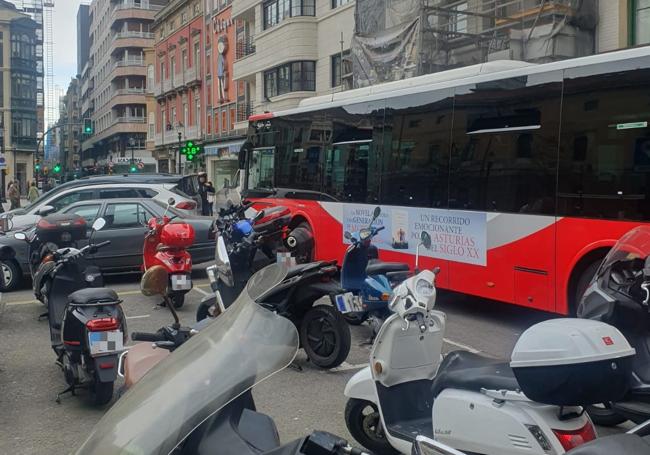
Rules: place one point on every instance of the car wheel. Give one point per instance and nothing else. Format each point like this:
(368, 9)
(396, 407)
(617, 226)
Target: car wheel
(11, 274)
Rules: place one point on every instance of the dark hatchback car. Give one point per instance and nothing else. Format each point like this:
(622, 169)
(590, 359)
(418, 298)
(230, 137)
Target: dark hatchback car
(126, 221)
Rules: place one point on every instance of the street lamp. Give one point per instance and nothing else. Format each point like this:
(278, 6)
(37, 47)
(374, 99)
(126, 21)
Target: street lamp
(178, 152)
(2, 150)
(132, 144)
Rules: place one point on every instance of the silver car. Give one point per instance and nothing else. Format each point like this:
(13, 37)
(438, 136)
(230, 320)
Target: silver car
(159, 187)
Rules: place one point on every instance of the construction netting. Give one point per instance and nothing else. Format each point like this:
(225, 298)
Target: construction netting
(397, 39)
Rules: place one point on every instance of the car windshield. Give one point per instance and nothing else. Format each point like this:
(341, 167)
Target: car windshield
(241, 348)
(635, 244)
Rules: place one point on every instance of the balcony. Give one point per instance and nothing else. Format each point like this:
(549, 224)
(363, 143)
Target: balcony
(244, 110)
(128, 96)
(132, 39)
(171, 136)
(130, 62)
(131, 10)
(244, 47)
(130, 67)
(133, 34)
(243, 6)
(192, 76)
(129, 120)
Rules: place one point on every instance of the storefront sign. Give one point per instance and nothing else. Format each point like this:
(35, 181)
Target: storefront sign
(224, 150)
(456, 235)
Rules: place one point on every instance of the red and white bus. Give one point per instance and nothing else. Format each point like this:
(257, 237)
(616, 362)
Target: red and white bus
(525, 175)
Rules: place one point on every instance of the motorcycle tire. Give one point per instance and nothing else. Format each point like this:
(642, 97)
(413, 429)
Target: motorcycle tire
(325, 336)
(101, 393)
(604, 416)
(178, 299)
(202, 311)
(365, 427)
(355, 318)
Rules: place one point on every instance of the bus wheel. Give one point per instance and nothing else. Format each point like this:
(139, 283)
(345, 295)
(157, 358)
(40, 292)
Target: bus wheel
(581, 286)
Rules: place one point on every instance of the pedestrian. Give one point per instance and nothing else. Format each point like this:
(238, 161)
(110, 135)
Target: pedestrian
(210, 198)
(33, 192)
(204, 190)
(14, 195)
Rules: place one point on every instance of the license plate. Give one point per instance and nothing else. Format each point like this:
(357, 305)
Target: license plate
(348, 303)
(285, 258)
(181, 282)
(105, 342)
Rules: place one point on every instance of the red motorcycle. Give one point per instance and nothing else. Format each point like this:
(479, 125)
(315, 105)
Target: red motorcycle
(166, 244)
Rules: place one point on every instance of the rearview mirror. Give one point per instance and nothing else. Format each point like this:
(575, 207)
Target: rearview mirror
(45, 210)
(376, 213)
(154, 281)
(347, 235)
(425, 238)
(20, 236)
(99, 224)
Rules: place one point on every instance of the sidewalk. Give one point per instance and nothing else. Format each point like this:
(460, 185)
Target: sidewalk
(23, 203)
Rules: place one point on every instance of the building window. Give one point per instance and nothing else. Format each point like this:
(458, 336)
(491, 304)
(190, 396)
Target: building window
(183, 17)
(458, 21)
(641, 21)
(275, 11)
(337, 3)
(185, 62)
(291, 77)
(340, 69)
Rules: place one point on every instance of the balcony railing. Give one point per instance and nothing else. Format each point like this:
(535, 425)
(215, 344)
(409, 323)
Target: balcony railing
(130, 62)
(244, 110)
(129, 120)
(192, 74)
(130, 4)
(244, 46)
(129, 91)
(129, 34)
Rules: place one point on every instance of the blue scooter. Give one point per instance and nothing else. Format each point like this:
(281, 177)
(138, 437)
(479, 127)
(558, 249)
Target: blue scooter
(367, 280)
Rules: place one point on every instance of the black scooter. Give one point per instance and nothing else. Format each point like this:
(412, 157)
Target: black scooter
(87, 324)
(324, 334)
(619, 294)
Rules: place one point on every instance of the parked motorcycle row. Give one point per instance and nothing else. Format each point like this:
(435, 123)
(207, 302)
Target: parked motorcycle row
(189, 389)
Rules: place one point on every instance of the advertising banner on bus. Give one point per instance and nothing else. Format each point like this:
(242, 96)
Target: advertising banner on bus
(456, 235)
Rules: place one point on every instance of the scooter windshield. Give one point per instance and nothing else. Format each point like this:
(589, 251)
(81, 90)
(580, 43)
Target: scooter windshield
(633, 246)
(241, 348)
(226, 198)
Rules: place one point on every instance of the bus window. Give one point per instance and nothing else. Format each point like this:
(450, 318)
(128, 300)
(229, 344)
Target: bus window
(505, 144)
(260, 174)
(605, 142)
(415, 161)
(352, 159)
(298, 151)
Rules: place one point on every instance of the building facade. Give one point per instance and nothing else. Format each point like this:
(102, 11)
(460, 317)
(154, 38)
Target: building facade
(83, 30)
(179, 75)
(18, 76)
(113, 84)
(288, 50)
(70, 126)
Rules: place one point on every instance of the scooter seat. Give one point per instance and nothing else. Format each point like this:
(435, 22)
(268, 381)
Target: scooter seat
(90, 296)
(466, 371)
(381, 268)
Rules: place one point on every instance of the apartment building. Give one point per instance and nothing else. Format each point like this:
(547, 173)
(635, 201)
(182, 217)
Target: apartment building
(18, 93)
(180, 50)
(114, 79)
(288, 50)
(70, 129)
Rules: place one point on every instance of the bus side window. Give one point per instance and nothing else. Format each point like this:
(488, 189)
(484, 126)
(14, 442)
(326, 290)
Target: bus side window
(604, 167)
(504, 145)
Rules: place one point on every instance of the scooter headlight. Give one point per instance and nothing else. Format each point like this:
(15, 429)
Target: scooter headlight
(424, 289)
(364, 234)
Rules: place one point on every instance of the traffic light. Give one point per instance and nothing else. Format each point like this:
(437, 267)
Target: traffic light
(88, 126)
(134, 168)
(37, 165)
(57, 168)
(190, 150)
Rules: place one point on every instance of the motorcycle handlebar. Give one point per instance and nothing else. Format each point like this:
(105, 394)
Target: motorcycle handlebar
(144, 336)
(380, 228)
(102, 244)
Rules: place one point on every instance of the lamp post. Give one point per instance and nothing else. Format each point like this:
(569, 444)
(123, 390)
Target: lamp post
(13, 149)
(178, 152)
(2, 150)
(132, 144)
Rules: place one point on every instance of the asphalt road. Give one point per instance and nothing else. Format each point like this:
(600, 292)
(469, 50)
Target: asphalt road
(299, 401)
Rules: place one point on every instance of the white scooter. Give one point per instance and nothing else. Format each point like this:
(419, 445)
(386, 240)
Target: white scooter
(477, 404)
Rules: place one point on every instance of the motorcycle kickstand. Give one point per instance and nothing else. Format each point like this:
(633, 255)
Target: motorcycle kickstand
(69, 390)
(295, 366)
(43, 316)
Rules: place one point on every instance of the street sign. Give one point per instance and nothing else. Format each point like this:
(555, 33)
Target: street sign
(140, 165)
(3, 162)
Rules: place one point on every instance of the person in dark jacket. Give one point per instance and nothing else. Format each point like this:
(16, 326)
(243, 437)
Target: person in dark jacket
(204, 190)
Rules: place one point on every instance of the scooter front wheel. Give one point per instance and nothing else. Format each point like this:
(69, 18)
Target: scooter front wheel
(325, 336)
(364, 424)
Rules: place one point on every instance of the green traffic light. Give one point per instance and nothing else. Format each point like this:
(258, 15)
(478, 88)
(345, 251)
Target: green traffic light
(57, 168)
(133, 169)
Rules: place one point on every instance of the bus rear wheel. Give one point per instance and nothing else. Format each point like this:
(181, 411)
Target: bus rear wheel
(581, 286)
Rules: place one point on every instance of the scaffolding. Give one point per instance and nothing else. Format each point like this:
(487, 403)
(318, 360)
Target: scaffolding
(397, 39)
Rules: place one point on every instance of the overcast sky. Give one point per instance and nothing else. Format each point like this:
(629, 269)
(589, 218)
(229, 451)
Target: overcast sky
(64, 25)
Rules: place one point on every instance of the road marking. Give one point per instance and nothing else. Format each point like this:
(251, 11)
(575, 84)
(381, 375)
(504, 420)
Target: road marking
(31, 302)
(200, 291)
(345, 366)
(142, 316)
(462, 346)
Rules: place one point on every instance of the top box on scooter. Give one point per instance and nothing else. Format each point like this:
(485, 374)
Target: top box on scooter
(274, 219)
(177, 235)
(61, 228)
(570, 362)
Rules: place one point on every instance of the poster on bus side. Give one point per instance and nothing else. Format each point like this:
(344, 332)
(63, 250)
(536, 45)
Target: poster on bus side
(456, 235)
